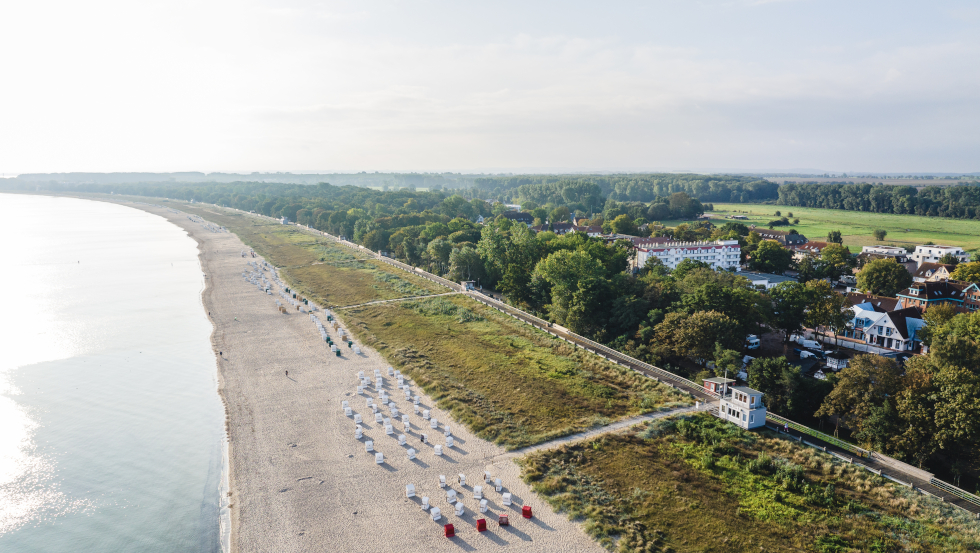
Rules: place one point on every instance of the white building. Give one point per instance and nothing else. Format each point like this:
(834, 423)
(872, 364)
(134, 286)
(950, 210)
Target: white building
(765, 281)
(885, 250)
(932, 254)
(743, 406)
(720, 254)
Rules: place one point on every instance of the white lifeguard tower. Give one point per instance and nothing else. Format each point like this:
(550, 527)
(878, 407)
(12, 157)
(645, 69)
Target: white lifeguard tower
(743, 406)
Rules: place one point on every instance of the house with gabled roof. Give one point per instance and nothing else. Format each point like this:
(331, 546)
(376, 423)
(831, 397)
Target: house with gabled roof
(894, 329)
(931, 272)
(926, 294)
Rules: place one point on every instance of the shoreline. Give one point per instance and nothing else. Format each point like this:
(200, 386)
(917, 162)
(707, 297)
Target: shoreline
(298, 480)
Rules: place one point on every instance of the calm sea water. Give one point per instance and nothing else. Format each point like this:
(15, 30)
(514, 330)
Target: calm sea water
(111, 428)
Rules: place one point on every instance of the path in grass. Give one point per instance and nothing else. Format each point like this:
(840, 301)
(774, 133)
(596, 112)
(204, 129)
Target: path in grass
(509, 382)
(593, 433)
(856, 226)
(697, 483)
(398, 299)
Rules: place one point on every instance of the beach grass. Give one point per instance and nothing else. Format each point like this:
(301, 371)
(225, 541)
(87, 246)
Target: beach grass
(510, 383)
(327, 273)
(856, 226)
(696, 483)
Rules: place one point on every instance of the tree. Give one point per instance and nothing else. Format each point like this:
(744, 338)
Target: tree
(834, 237)
(576, 280)
(864, 384)
(828, 309)
(695, 335)
(969, 272)
(770, 257)
(465, 264)
(836, 260)
(686, 266)
(949, 259)
(727, 361)
(883, 277)
(806, 269)
(777, 379)
(879, 234)
(790, 302)
(560, 214)
(623, 225)
(492, 251)
(439, 250)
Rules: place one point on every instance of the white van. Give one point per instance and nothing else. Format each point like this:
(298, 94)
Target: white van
(752, 342)
(810, 344)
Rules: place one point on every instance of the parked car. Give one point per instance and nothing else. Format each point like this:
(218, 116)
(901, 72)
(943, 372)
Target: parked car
(752, 342)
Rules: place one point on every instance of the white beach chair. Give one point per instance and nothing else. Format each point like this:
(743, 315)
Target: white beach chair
(507, 497)
(461, 478)
(410, 490)
(401, 439)
(411, 453)
(447, 431)
(425, 414)
(459, 508)
(358, 433)
(389, 430)
(433, 424)
(486, 477)
(438, 449)
(379, 458)
(425, 503)
(357, 418)
(477, 492)
(498, 485)
(483, 505)
(377, 418)
(369, 446)
(347, 411)
(436, 513)
(449, 441)
(442, 480)
(451, 496)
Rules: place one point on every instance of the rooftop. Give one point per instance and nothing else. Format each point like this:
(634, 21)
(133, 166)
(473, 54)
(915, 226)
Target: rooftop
(766, 276)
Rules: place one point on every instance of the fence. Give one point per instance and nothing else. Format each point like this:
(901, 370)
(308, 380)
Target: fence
(596, 347)
(962, 494)
(819, 435)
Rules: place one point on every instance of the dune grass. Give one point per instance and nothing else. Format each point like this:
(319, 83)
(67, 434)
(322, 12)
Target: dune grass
(508, 382)
(327, 273)
(696, 483)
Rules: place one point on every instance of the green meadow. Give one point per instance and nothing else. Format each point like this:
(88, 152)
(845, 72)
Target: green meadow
(857, 226)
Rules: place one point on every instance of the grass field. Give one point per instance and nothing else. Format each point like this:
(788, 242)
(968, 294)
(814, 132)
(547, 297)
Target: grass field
(856, 226)
(700, 484)
(509, 382)
(328, 274)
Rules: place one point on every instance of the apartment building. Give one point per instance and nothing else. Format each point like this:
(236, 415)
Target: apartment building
(932, 254)
(720, 254)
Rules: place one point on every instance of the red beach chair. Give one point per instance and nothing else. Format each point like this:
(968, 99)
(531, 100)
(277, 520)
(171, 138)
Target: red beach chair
(503, 521)
(450, 530)
(481, 524)
(526, 511)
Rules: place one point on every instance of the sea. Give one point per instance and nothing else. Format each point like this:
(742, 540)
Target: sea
(111, 428)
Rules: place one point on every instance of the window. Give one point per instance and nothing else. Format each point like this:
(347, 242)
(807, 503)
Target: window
(751, 418)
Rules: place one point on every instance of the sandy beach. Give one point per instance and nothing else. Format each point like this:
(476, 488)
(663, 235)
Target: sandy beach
(300, 481)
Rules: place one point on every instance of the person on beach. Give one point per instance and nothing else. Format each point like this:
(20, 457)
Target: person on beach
(287, 373)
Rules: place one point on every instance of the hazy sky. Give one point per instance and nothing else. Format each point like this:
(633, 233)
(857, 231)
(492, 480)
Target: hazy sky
(472, 86)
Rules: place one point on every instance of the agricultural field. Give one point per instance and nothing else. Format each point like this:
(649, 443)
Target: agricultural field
(696, 483)
(856, 226)
(327, 273)
(509, 382)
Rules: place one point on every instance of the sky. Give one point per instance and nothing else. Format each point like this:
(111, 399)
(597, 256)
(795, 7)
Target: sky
(686, 85)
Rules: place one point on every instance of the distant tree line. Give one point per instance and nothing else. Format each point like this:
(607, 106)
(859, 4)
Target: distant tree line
(960, 202)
